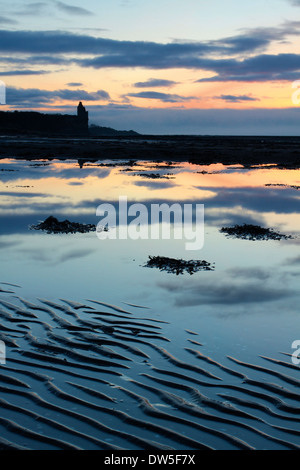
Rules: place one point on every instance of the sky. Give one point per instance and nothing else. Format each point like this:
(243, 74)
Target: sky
(157, 66)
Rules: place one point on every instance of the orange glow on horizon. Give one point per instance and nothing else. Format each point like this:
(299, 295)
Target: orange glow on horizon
(186, 92)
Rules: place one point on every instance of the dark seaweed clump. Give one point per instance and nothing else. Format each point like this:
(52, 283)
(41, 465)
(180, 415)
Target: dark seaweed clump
(154, 176)
(52, 225)
(253, 232)
(178, 266)
(292, 186)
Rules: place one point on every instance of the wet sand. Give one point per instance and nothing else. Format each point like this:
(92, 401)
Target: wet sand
(83, 374)
(100, 377)
(198, 149)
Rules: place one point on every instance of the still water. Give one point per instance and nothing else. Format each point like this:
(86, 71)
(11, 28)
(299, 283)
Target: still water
(247, 307)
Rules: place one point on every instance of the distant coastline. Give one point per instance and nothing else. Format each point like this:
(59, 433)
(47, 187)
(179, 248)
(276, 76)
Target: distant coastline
(36, 124)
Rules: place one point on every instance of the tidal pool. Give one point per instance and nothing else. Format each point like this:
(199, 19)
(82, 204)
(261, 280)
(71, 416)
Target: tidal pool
(246, 308)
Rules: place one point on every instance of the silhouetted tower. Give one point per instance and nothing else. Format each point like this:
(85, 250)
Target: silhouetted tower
(83, 116)
(81, 112)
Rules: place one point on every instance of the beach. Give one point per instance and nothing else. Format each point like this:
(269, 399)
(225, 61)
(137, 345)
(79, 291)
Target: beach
(100, 352)
(203, 149)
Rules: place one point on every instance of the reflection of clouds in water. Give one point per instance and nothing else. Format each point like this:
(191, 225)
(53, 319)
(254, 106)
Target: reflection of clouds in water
(23, 194)
(81, 174)
(293, 261)
(19, 223)
(75, 254)
(40, 255)
(8, 243)
(38, 207)
(246, 273)
(35, 255)
(292, 241)
(229, 218)
(155, 184)
(85, 212)
(224, 292)
(23, 170)
(256, 199)
(224, 206)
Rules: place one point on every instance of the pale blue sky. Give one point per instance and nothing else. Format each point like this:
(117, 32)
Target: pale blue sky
(128, 55)
(151, 20)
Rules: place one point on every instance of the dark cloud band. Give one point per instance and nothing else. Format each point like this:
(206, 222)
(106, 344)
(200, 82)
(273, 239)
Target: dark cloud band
(59, 47)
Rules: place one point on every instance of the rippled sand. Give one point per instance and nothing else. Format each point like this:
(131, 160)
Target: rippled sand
(98, 376)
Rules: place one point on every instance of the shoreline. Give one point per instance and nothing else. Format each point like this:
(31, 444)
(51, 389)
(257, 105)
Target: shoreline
(249, 150)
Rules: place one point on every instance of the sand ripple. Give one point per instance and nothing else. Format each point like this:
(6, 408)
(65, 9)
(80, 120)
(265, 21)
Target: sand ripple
(94, 376)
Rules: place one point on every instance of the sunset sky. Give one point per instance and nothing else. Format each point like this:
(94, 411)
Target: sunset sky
(157, 66)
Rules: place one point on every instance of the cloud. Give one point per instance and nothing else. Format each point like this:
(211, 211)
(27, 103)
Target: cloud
(23, 72)
(224, 58)
(164, 97)
(236, 98)
(5, 20)
(43, 8)
(34, 96)
(155, 82)
(262, 68)
(72, 10)
(32, 8)
(23, 61)
(129, 53)
(75, 84)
